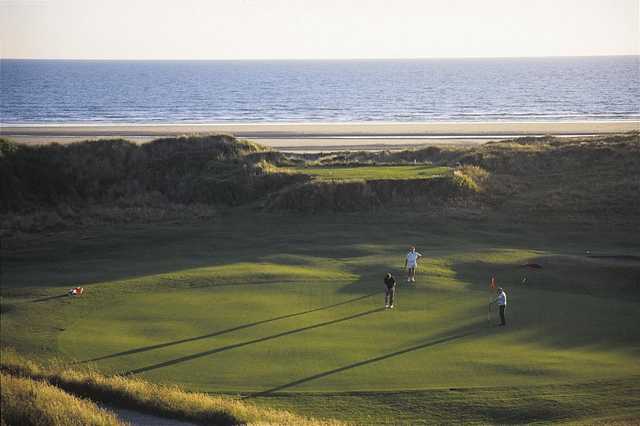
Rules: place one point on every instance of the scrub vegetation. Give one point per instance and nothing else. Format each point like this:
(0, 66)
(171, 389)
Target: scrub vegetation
(29, 402)
(54, 187)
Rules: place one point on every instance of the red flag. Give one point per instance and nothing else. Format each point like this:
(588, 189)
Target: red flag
(492, 285)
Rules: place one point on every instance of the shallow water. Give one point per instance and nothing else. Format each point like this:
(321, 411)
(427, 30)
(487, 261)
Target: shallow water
(587, 88)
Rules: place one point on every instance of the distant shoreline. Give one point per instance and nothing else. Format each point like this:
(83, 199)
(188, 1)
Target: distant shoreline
(324, 136)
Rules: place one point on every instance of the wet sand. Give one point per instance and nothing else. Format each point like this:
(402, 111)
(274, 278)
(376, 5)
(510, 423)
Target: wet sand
(325, 136)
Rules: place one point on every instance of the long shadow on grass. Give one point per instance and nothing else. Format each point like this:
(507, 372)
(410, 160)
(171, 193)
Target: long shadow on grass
(593, 301)
(247, 343)
(44, 299)
(228, 330)
(365, 362)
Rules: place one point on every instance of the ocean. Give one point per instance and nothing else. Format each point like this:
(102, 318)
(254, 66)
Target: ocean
(412, 90)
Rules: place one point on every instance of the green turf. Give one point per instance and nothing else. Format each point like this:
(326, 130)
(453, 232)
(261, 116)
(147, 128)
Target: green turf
(289, 311)
(582, 403)
(373, 172)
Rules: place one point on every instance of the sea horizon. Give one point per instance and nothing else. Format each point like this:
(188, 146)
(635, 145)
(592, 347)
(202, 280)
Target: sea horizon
(425, 58)
(121, 92)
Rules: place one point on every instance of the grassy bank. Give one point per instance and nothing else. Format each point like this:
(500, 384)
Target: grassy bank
(29, 402)
(588, 180)
(48, 187)
(53, 187)
(30, 390)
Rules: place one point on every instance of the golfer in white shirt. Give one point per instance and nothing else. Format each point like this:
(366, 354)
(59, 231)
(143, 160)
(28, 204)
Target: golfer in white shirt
(501, 301)
(410, 263)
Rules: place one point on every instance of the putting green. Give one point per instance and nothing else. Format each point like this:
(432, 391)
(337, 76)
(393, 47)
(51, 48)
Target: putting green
(373, 172)
(314, 337)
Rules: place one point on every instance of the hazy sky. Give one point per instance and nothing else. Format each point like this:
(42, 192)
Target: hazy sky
(238, 29)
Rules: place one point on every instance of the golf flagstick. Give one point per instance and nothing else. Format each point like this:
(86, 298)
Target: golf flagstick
(492, 286)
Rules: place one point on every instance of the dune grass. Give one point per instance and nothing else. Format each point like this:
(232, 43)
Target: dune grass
(28, 402)
(373, 172)
(550, 180)
(23, 396)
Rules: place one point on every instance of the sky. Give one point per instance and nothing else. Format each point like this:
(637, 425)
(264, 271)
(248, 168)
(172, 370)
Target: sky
(316, 29)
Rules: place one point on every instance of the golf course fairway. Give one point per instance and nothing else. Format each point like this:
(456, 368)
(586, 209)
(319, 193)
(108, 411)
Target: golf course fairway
(288, 311)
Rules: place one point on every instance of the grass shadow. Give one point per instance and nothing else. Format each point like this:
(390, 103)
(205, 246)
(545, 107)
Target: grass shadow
(228, 330)
(247, 343)
(433, 342)
(573, 302)
(99, 255)
(599, 277)
(44, 299)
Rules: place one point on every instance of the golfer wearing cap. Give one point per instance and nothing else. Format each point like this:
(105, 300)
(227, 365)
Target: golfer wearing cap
(501, 301)
(410, 263)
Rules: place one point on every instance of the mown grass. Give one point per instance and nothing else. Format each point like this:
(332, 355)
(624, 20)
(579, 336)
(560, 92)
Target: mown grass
(27, 402)
(169, 401)
(373, 172)
(581, 403)
(154, 307)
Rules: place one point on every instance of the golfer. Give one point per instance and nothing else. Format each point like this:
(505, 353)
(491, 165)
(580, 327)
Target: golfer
(390, 290)
(501, 301)
(410, 264)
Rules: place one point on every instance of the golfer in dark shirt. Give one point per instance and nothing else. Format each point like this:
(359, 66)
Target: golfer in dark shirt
(390, 290)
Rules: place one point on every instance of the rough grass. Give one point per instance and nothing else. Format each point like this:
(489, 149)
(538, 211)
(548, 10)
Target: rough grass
(586, 180)
(22, 393)
(53, 187)
(61, 179)
(347, 194)
(27, 402)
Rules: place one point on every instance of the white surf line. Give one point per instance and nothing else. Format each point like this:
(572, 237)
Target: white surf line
(316, 123)
(427, 137)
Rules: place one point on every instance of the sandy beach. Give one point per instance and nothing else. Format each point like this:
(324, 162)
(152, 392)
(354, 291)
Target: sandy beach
(324, 136)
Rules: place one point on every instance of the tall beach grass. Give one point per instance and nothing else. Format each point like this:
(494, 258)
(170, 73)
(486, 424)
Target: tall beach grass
(28, 402)
(138, 394)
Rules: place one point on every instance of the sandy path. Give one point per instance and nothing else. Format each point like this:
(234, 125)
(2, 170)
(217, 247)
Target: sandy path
(136, 418)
